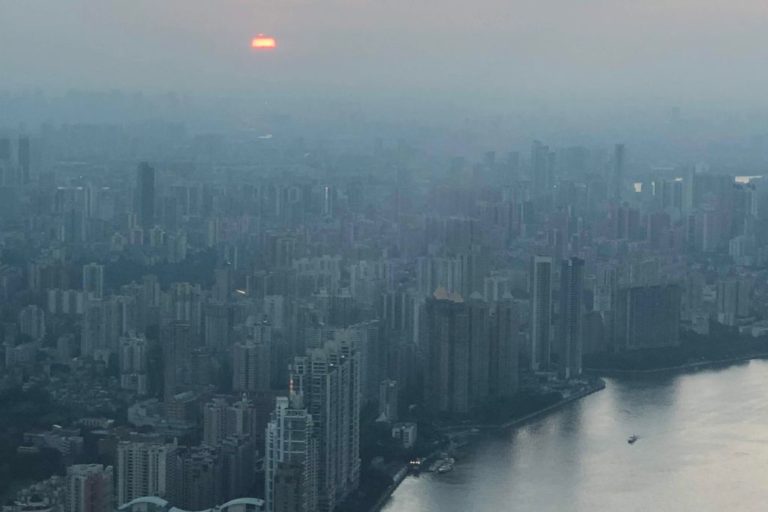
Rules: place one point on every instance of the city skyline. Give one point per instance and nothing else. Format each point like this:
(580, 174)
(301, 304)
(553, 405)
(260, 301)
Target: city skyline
(383, 256)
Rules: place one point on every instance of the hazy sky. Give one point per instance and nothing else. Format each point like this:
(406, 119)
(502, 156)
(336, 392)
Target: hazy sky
(673, 50)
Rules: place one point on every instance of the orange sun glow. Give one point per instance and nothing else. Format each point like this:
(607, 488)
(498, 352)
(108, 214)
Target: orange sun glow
(262, 42)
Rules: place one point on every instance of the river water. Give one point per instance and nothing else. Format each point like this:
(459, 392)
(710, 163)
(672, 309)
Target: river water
(703, 446)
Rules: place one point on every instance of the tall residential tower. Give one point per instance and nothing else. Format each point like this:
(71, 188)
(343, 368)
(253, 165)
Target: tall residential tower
(571, 317)
(328, 378)
(290, 458)
(541, 312)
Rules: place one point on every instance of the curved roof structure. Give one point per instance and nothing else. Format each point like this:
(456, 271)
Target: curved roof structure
(145, 500)
(164, 505)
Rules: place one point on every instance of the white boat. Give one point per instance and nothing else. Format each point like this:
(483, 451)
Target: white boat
(445, 465)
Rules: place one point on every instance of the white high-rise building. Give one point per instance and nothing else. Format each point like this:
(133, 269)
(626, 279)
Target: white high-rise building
(328, 378)
(290, 458)
(366, 338)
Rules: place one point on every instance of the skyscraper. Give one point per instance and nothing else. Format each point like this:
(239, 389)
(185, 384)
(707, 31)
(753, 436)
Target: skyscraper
(103, 324)
(366, 337)
(144, 468)
(223, 284)
(570, 332)
(458, 353)
(448, 346)
(145, 196)
(236, 461)
(215, 421)
(504, 338)
(133, 364)
(388, 395)
(93, 280)
(32, 322)
(290, 458)
(542, 169)
(217, 321)
(733, 300)
(197, 477)
(647, 317)
(186, 305)
(177, 349)
(223, 418)
(541, 312)
(251, 366)
(328, 378)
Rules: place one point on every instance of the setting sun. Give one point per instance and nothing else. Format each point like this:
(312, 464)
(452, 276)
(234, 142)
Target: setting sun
(262, 42)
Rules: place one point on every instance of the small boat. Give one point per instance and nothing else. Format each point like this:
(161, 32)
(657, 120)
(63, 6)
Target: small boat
(443, 465)
(632, 439)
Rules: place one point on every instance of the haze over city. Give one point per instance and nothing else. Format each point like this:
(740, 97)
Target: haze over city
(383, 255)
(680, 52)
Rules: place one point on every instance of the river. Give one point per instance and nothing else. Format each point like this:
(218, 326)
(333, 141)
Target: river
(703, 446)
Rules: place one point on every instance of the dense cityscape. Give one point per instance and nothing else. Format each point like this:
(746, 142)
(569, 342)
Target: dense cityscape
(261, 323)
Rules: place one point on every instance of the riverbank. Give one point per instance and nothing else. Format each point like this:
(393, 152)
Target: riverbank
(608, 372)
(722, 346)
(398, 479)
(596, 385)
(593, 387)
(578, 459)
